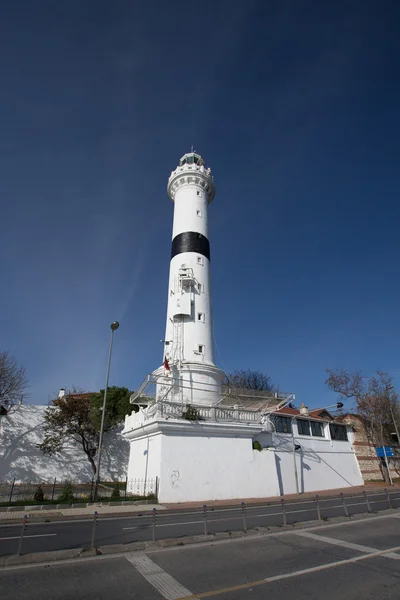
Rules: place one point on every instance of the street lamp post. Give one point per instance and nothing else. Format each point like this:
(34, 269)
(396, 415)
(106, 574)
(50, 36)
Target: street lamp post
(114, 326)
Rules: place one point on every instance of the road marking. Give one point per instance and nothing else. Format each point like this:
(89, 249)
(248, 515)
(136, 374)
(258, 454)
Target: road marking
(171, 524)
(158, 578)
(248, 536)
(350, 545)
(17, 537)
(251, 584)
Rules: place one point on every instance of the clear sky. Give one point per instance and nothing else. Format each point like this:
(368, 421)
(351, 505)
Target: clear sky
(295, 106)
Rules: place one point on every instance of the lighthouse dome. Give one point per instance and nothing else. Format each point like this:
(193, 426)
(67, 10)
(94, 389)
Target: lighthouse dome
(191, 158)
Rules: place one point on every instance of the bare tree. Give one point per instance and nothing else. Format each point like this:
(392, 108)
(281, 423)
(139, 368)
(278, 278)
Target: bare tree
(375, 400)
(251, 380)
(13, 381)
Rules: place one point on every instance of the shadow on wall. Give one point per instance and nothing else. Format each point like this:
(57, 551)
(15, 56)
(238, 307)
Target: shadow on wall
(21, 432)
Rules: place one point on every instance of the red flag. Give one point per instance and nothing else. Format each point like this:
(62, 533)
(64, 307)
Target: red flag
(166, 364)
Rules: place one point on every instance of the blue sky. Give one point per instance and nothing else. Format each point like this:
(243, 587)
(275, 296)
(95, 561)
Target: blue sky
(294, 105)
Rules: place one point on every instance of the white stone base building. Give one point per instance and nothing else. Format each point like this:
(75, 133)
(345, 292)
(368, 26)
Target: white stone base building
(213, 458)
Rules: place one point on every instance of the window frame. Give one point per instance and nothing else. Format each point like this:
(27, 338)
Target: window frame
(303, 422)
(338, 427)
(285, 424)
(321, 425)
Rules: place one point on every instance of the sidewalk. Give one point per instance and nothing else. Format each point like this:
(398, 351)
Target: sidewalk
(38, 514)
(373, 487)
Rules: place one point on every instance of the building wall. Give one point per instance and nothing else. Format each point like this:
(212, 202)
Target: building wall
(364, 450)
(215, 468)
(22, 430)
(195, 463)
(322, 463)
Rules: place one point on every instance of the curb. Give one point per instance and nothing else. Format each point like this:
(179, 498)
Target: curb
(44, 558)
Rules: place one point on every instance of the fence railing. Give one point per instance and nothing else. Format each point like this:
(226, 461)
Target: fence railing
(207, 520)
(68, 492)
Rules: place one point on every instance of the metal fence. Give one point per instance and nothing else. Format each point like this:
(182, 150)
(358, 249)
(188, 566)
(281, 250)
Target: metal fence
(12, 492)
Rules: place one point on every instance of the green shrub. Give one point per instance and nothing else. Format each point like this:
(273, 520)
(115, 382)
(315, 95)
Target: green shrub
(39, 494)
(67, 494)
(257, 446)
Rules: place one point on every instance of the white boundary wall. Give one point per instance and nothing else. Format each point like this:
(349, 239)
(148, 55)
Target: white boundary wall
(20, 432)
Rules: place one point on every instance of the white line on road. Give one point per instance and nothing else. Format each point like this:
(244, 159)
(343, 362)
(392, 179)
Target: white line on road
(157, 577)
(344, 544)
(251, 584)
(240, 517)
(16, 537)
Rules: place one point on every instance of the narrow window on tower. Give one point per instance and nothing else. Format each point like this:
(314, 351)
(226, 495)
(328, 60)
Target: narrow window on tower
(198, 213)
(201, 317)
(199, 193)
(200, 260)
(200, 349)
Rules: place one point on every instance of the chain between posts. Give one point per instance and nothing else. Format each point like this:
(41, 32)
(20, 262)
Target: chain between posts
(244, 517)
(93, 540)
(154, 525)
(23, 529)
(205, 518)
(283, 511)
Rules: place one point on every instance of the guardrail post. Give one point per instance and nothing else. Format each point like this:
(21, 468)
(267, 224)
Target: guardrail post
(244, 517)
(205, 518)
(154, 524)
(346, 512)
(283, 511)
(93, 540)
(318, 508)
(23, 529)
(388, 498)
(11, 492)
(367, 502)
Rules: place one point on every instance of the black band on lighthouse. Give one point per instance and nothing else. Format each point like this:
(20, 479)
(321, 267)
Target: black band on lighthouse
(190, 241)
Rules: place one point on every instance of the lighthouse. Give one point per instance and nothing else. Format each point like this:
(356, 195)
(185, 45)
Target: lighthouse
(188, 374)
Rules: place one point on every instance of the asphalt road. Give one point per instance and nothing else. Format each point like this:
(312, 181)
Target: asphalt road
(57, 535)
(353, 560)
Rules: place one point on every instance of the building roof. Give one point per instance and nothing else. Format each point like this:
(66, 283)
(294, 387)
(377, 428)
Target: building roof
(319, 414)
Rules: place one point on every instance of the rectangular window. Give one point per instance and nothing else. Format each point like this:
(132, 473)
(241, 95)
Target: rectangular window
(198, 193)
(198, 213)
(282, 424)
(200, 260)
(338, 432)
(303, 426)
(201, 317)
(200, 349)
(317, 429)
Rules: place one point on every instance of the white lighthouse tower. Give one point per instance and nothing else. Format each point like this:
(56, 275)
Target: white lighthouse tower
(188, 374)
(192, 438)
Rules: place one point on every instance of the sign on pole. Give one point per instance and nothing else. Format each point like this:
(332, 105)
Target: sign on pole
(381, 452)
